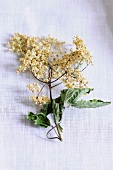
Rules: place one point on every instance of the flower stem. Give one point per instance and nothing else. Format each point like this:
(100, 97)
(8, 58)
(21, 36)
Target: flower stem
(50, 91)
(58, 130)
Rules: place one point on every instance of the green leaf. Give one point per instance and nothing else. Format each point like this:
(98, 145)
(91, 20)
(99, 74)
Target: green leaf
(39, 119)
(31, 116)
(42, 120)
(57, 110)
(73, 94)
(90, 104)
(59, 100)
(63, 94)
(46, 109)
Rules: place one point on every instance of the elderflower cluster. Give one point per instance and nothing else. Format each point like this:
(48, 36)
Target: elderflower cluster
(34, 87)
(36, 53)
(71, 64)
(40, 100)
(39, 55)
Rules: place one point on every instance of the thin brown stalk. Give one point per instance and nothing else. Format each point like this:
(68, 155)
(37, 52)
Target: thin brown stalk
(56, 85)
(39, 79)
(49, 84)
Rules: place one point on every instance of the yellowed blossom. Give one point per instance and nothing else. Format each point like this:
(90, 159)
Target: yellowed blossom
(40, 100)
(39, 55)
(34, 87)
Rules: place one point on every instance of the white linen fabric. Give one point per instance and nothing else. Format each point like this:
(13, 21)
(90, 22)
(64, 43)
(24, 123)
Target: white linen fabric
(88, 133)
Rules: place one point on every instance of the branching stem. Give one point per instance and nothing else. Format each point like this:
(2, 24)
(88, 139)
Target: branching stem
(50, 91)
(56, 85)
(60, 77)
(41, 90)
(39, 79)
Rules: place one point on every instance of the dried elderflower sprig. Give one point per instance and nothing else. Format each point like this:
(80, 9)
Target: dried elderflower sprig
(37, 55)
(49, 62)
